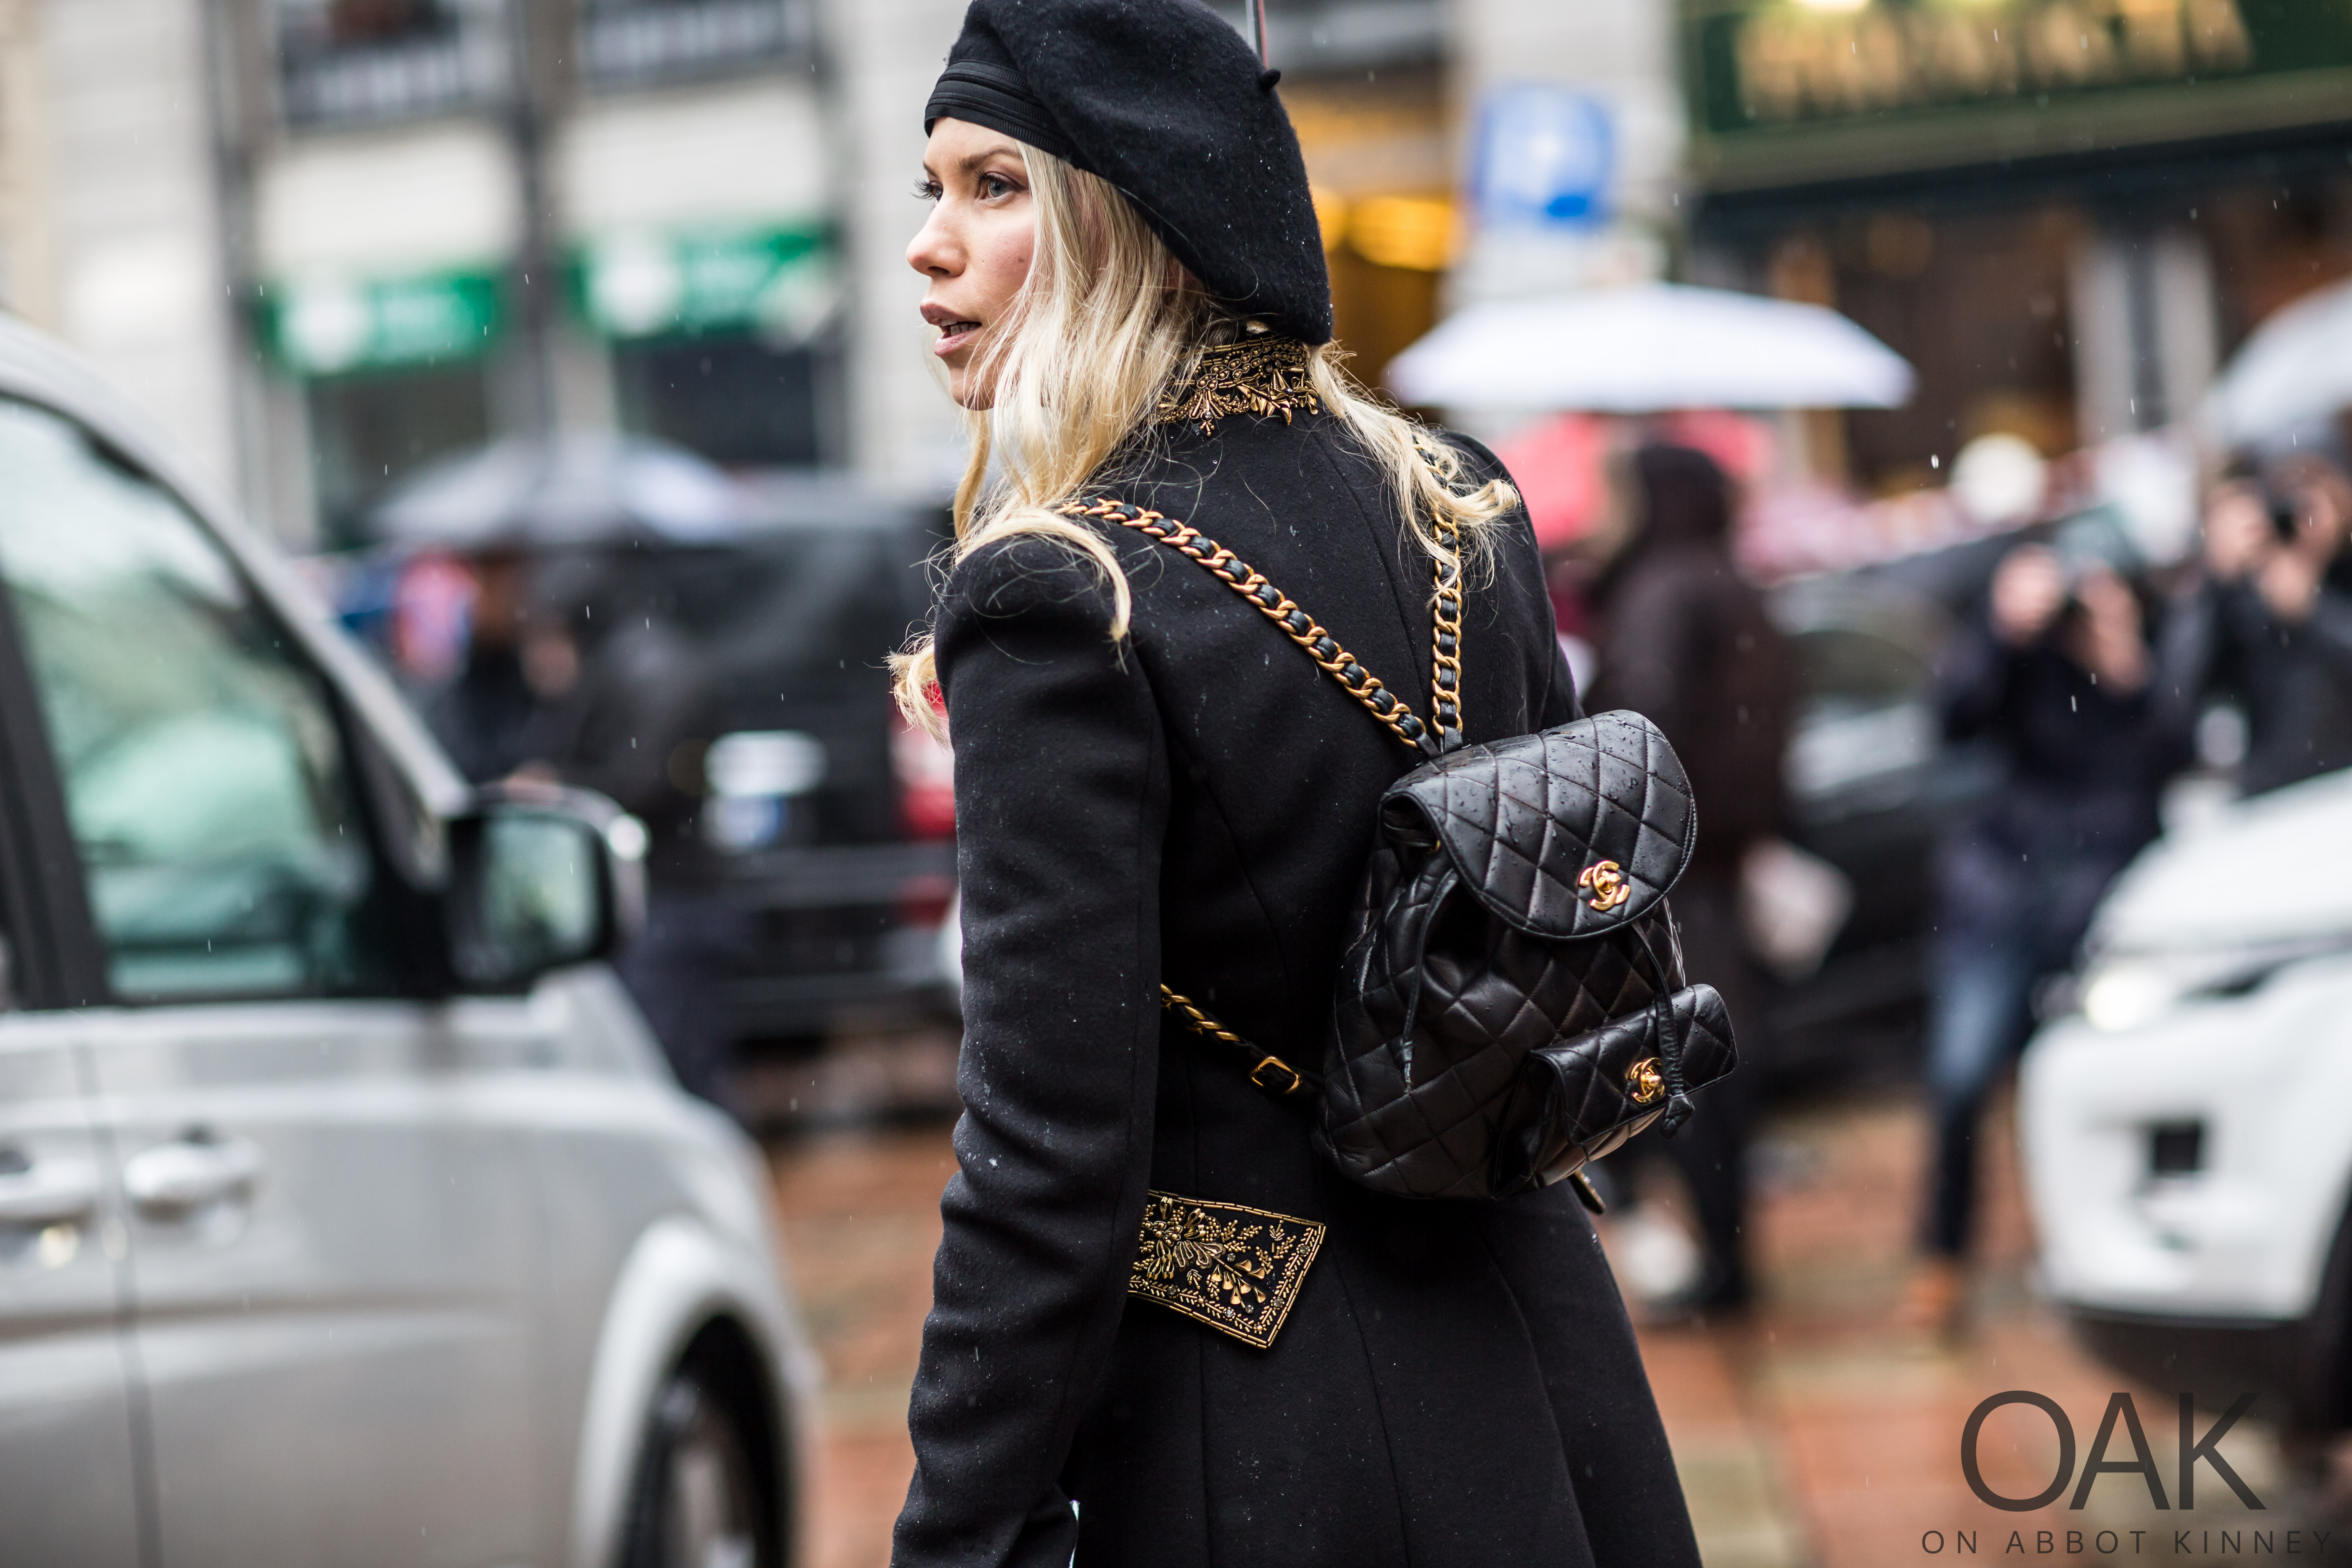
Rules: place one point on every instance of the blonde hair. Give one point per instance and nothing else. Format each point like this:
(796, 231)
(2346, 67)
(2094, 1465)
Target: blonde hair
(1105, 319)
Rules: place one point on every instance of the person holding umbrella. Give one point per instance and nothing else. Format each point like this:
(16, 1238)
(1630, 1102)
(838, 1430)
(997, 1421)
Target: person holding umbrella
(572, 680)
(633, 722)
(1156, 794)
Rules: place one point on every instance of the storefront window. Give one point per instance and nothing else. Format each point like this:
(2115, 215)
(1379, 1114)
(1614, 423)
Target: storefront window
(1349, 35)
(2063, 216)
(344, 62)
(371, 429)
(721, 336)
(1381, 158)
(627, 41)
(1981, 305)
(729, 397)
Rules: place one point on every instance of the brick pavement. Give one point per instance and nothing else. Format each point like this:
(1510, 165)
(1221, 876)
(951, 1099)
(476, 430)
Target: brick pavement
(861, 1220)
(1815, 1434)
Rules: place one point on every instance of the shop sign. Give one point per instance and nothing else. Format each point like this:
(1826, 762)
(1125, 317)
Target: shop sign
(1542, 158)
(1794, 73)
(323, 326)
(779, 282)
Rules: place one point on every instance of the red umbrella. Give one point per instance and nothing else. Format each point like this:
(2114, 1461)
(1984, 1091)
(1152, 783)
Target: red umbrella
(1561, 463)
(1558, 464)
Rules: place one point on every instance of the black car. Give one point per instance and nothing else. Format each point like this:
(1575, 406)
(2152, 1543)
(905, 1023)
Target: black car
(1872, 787)
(833, 821)
(829, 822)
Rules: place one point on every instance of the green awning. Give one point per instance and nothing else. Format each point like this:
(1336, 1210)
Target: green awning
(324, 326)
(779, 281)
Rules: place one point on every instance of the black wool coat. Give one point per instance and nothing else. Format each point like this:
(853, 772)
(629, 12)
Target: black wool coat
(1457, 1384)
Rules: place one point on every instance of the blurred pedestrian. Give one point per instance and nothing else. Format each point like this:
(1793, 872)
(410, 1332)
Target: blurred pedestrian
(635, 708)
(2270, 623)
(2059, 676)
(1164, 1330)
(1684, 640)
(483, 716)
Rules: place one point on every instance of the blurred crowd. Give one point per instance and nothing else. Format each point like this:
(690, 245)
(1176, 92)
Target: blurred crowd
(2091, 677)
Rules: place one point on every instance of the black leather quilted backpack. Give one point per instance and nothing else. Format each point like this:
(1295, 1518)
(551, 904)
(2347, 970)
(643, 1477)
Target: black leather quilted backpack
(1512, 1002)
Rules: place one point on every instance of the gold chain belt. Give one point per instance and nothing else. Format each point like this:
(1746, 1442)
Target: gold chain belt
(1235, 1268)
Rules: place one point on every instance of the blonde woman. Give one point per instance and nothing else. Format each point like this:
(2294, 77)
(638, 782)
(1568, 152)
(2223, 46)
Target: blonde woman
(1164, 1331)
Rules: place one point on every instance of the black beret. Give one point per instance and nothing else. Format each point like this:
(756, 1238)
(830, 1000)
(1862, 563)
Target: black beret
(1162, 98)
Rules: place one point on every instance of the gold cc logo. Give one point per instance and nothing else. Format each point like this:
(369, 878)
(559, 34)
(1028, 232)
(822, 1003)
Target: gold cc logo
(1643, 1081)
(1605, 880)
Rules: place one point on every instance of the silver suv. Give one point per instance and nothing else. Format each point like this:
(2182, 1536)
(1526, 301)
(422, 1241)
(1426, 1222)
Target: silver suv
(348, 1214)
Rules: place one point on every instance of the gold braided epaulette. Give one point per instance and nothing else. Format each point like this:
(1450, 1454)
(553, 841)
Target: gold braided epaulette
(1263, 376)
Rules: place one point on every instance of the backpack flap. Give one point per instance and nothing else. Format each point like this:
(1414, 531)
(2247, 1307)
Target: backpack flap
(1574, 832)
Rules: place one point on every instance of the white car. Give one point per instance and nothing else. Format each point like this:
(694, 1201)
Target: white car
(2187, 1130)
(348, 1214)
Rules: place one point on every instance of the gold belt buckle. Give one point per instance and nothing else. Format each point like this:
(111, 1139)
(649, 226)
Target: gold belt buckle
(1234, 1268)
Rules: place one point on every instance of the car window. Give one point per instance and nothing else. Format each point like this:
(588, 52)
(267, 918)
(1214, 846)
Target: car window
(1846, 670)
(203, 773)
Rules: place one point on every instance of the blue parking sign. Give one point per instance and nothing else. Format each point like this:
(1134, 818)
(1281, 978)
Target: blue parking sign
(1542, 158)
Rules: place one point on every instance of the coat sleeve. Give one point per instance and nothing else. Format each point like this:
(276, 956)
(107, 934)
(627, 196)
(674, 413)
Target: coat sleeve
(2184, 660)
(1061, 784)
(1972, 683)
(2329, 628)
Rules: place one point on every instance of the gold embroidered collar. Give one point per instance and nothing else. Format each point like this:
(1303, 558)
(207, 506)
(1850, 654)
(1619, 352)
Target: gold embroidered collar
(1262, 376)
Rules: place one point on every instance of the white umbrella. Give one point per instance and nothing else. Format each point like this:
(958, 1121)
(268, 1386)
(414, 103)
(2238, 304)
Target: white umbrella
(2296, 368)
(1649, 347)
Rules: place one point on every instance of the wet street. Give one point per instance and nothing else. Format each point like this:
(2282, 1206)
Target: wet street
(1818, 1433)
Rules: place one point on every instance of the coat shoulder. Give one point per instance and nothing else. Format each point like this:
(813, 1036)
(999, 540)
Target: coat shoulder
(1521, 557)
(1027, 573)
(1483, 464)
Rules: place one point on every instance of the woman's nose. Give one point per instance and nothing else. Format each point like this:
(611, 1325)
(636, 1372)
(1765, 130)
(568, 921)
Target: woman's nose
(933, 251)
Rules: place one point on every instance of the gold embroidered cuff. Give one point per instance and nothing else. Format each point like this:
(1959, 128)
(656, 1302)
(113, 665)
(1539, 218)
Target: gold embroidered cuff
(1235, 1268)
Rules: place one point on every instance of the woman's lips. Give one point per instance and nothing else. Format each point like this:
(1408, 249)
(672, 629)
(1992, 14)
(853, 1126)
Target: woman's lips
(955, 335)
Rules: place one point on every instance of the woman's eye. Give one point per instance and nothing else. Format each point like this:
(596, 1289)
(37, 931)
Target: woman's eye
(927, 190)
(995, 185)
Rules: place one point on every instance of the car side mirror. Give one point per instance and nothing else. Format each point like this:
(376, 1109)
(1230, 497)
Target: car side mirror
(541, 877)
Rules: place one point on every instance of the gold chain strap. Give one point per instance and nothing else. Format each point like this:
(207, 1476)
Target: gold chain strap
(1445, 636)
(1271, 1074)
(1298, 626)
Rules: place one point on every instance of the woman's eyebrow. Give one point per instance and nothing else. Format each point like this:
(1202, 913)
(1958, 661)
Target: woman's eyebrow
(972, 162)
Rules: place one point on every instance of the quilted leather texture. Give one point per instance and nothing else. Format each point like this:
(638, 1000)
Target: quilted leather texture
(1523, 818)
(1473, 947)
(1574, 1099)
